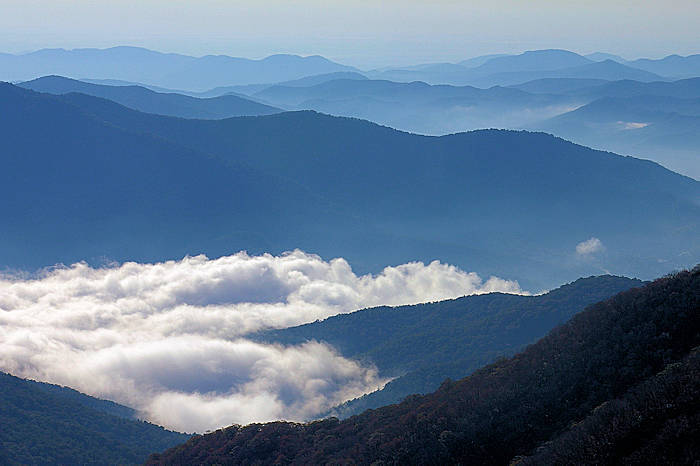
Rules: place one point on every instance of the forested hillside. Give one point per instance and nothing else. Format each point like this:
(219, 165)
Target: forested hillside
(422, 345)
(508, 408)
(51, 425)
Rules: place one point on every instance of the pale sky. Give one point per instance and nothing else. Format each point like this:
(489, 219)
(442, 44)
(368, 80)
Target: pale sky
(364, 33)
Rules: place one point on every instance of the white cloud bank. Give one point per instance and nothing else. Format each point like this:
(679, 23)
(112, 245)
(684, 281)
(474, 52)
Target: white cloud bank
(589, 247)
(169, 338)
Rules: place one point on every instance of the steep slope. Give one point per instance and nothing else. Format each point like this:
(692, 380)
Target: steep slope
(146, 100)
(658, 419)
(42, 425)
(74, 396)
(78, 188)
(427, 343)
(471, 199)
(504, 410)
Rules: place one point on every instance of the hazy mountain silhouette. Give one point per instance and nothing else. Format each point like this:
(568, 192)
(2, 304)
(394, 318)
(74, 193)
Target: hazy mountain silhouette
(666, 129)
(480, 60)
(517, 69)
(602, 56)
(215, 71)
(146, 100)
(558, 85)
(127, 63)
(166, 70)
(467, 71)
(609, 70)
(534, 60)
(422, 345)
(672, 65)
(422, 108)
(628, 366)
(683, 89)
(313, 80)
(514, 204)
(48, 424)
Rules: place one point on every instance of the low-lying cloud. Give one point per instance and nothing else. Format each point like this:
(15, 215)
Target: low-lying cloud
(169, 338)
(589, 247)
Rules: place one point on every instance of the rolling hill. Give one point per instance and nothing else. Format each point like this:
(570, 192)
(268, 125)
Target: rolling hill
(47, 424)
(377, 196)
(146, 100)
(424, 344)
(598, 367)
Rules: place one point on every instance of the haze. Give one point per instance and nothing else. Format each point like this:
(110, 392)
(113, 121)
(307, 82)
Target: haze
(358, 32)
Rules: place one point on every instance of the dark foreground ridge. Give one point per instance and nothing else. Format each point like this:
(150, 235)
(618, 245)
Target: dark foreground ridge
(422, 345)
(48, 424)
(597, 368)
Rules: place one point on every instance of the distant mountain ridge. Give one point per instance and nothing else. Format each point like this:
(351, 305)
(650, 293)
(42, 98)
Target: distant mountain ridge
(511, 70)
(673, 65)
(419, 107)
(254, 183)
(662, 127)
(146, 100)
(167, 70)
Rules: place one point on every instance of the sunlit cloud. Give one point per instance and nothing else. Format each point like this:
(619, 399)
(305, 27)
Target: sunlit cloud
(170, 338)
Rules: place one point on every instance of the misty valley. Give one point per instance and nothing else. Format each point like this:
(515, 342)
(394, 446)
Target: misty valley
(212, 260)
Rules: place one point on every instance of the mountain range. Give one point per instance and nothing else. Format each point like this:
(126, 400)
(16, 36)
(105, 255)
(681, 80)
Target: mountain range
(148, 187)
(617, 384)
(419, 107)
(168, 70)
(525, 169)
(543, 104)
(199, 74)
(422, 345)
(666, 129)
(490, 70)
(146, 100)
(528, 66)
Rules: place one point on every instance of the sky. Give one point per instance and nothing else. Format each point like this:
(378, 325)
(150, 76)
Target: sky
(363, 33)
